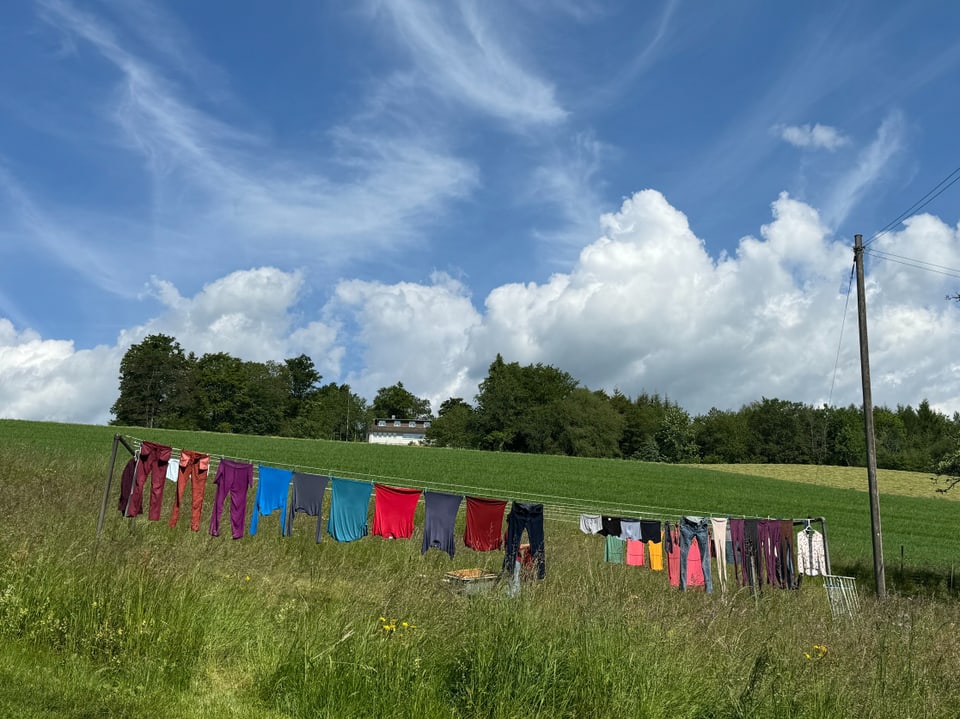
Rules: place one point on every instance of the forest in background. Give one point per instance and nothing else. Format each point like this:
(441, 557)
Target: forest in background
(535, 408)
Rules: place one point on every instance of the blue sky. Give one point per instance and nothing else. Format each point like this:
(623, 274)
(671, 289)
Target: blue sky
(653, 196)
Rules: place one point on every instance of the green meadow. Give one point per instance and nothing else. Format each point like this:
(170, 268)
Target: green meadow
(150, 621)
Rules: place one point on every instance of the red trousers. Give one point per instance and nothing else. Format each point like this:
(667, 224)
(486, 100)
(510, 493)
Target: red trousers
(193, 468)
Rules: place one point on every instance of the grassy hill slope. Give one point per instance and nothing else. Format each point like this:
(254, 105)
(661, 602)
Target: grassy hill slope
(168, 623)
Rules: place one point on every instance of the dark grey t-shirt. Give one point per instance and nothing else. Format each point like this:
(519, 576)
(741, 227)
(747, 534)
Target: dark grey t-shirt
(440, 516)
(308, 492)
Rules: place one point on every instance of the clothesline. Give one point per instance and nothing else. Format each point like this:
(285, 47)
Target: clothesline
(563, 508)
(397, 499)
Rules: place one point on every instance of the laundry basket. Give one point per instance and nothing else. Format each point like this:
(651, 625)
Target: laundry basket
(470, 581)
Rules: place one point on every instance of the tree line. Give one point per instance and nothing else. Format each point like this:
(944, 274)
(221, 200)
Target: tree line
(533, 408)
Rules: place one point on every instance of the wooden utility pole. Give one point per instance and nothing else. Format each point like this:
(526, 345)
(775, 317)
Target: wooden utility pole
(878, 571)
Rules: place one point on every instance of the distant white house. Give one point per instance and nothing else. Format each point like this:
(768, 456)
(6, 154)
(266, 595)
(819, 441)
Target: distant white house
(398, 431)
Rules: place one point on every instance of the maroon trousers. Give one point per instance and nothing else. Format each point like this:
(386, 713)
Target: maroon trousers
(153, 463)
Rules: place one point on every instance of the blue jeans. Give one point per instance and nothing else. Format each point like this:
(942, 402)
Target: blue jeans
(691, 527)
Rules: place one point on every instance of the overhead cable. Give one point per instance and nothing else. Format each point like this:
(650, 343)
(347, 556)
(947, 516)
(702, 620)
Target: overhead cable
(933, 194)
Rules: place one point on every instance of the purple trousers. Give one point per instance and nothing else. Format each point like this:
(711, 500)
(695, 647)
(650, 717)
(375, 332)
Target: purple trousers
(234, 479)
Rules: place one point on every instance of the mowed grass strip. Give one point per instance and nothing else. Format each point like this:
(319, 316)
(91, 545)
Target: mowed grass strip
(889, 481)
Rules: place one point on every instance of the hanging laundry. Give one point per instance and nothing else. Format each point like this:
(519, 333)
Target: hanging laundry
(439, 521)
(668, 537)
(529, 517)
(695, 528)
(590, 523)
(811, 557)
(153, 462)
(173, 469)
(752, 557)
(718, 526)
(614, 550)
(635, 553)
(768, 532)
(655, 550)
(307, 497)
(192, 469)
(650, 530)
(610, 526)
(393, 511)
(484, 530)
(126, 485)
(629, 529)
(273, 492)
(233, 479)
(349, 506)
(730, 559)
(694, 570)
(787, 555)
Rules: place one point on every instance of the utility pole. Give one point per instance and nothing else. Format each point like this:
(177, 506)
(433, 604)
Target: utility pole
(878, 571)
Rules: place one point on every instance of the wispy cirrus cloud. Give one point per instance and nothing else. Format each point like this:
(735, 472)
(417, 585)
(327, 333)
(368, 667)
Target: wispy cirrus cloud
(232, 187)
(815, 137)
(26, 219)
(871, 163)
(567, 182)
(459, 54)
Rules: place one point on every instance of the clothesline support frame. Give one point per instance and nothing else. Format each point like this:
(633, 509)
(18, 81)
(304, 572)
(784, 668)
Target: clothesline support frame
(117, 441)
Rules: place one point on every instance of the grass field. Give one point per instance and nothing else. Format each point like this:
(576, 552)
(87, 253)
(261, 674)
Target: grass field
(160, 622)
(889, 481)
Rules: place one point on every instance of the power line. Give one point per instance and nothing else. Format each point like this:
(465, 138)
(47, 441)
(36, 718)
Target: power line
(933, 194)
(916, 264)
(836, 369)
(843, 323)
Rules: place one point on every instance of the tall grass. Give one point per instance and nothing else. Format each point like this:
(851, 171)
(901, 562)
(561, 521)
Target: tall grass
(162, 622)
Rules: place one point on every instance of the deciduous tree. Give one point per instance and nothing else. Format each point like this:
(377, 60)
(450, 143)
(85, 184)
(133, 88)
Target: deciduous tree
(152, 383)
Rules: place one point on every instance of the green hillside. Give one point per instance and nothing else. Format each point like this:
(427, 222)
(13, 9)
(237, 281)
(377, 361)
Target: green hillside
(649, 489)
(168, 623)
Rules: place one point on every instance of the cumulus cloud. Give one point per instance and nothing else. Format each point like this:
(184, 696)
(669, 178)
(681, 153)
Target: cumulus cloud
(249, 314)
(646, 307)
(415, 333)
(52, 380)
(817, 137)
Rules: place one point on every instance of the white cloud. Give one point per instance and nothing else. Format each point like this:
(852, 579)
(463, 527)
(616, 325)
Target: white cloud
(644, 308)
(25, 218)
(459, 52)
(567, 182)
(870, 165)
(818, 137)
(414, 333)
(248, 314)
(218, 190)
(52, 380)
